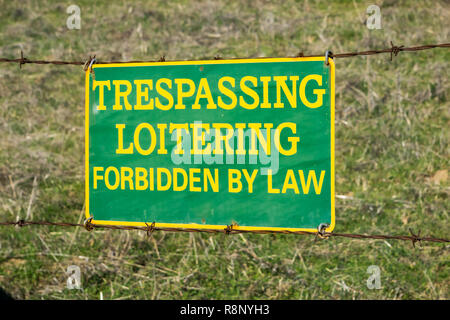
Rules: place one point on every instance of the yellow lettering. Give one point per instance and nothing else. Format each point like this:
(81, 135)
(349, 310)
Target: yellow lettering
(143, 94)
(193, 180)
(290, 182)
(234, 177)
(213, 182)
(265, 81)
(164, 93)
(293, 140)
(270, 189)
(250, 92)
(137, 143)
(183, 94)
(290, 95)
(159, 172)
(227, 92)
(96, 176)
(318, 92)
(116, 180)
(226, 139)
(141, 178)
(177, 187)
(120, 149)
(124, 95)
(198, 135)
(101, 92)
(250, 179)
(311, 176)
(178, 127)
(126, 175)
(204, 92)
(162, 138)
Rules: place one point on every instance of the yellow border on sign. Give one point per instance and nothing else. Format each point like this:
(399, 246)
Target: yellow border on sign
(203, 226)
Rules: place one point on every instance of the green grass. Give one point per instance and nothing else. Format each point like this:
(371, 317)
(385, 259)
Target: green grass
(392, 144)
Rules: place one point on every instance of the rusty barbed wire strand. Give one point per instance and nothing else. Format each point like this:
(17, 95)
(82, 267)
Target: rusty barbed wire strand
(414, 238)
(393, 51)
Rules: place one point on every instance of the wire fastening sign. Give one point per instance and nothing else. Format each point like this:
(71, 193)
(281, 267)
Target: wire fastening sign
(208, 144)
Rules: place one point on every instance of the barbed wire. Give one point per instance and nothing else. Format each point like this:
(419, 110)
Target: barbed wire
(414, 238)
(393, 50)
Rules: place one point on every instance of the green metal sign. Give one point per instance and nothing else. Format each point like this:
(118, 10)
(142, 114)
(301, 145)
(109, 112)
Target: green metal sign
(206, 144)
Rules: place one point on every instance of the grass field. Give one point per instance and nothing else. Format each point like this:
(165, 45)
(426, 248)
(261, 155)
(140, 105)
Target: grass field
(392, 152)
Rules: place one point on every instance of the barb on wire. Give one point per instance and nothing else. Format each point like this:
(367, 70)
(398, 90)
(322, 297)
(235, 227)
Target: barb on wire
(20, 223)
(414, 238)
(88, 225)
(150, 229)
(89, 63)
(228, 229)
(393, 51)
(22, 60)
(321, 233)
